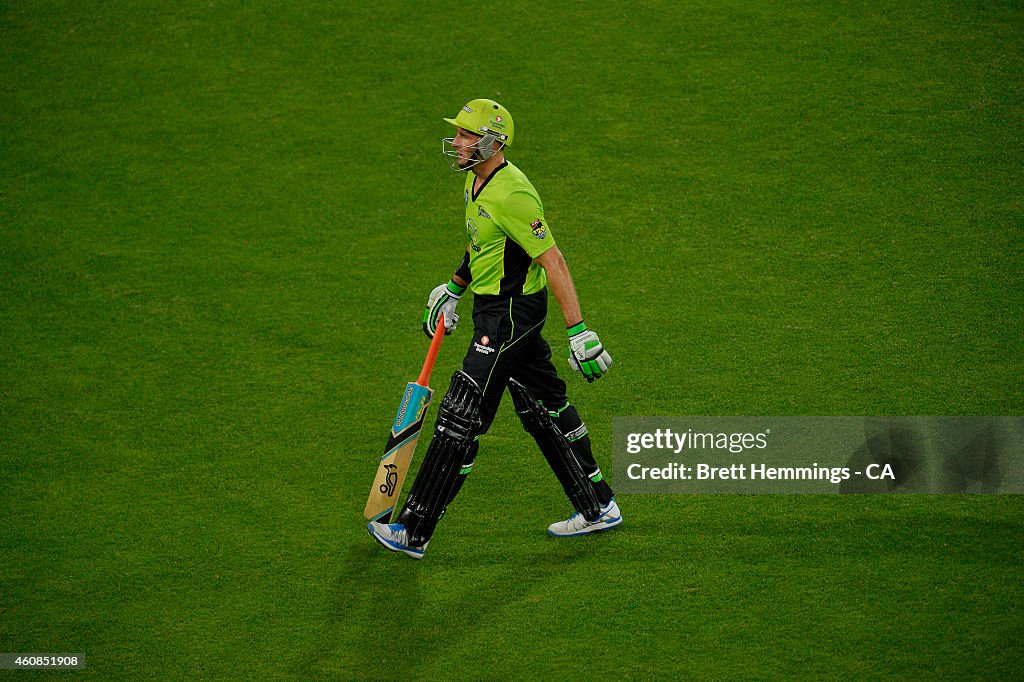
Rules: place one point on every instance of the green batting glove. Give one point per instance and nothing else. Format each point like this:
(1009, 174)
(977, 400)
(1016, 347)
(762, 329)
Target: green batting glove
(586, 354)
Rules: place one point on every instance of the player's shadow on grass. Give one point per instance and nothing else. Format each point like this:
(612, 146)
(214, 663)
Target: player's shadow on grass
(379, 612)
(375, 596)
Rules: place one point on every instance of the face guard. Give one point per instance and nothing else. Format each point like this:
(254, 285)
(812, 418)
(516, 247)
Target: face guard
(483, 117)
(479, 151)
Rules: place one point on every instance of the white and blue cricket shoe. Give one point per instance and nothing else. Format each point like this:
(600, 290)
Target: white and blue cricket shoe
(577, 524)
(395, 537)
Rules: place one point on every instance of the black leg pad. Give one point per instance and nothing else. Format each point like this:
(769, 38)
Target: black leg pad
(458, 421)
(556, 451)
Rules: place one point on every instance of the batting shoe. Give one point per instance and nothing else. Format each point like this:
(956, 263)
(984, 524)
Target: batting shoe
(577, 524)
(395, 537)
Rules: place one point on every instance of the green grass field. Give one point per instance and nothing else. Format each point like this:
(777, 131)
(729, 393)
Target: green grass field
(219, 222)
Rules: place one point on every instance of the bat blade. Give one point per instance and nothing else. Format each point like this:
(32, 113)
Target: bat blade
(394, 463)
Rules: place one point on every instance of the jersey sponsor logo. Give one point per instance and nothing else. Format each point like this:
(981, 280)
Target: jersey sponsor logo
(539, 229)
(467, 109)
(482, 212)
(486, 350)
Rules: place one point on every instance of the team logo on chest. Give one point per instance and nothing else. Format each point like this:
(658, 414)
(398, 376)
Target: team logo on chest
(467, 197)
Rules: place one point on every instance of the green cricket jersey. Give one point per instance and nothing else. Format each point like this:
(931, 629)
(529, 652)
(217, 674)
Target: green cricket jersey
(506, 230)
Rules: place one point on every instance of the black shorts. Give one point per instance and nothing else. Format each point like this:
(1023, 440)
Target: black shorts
(507, 343)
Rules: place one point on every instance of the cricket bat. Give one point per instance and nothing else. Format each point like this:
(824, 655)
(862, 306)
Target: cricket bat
(405, 431)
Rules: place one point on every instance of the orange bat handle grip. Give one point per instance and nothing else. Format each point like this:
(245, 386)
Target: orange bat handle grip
(435, 345)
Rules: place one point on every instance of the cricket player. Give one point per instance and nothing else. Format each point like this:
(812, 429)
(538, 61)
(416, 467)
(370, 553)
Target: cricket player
(511, 261)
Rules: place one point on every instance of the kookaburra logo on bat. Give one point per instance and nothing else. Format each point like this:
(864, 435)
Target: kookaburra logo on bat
(388, 487)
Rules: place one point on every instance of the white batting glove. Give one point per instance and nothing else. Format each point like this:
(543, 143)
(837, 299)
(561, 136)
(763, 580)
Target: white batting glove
(443, 299)
(586, 353)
